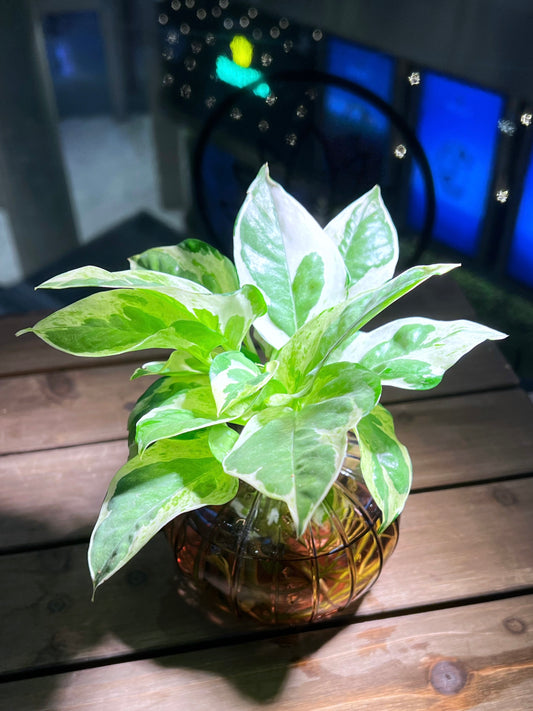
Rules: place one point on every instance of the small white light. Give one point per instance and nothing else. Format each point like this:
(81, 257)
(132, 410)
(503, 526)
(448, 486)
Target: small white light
(502, 195)
(400, 151)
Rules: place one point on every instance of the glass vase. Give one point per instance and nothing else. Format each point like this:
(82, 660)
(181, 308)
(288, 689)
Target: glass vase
(244, 559)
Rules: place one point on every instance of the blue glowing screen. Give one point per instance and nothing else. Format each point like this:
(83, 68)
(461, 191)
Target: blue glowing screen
(374, 71)
(521, 258)
(458, 129)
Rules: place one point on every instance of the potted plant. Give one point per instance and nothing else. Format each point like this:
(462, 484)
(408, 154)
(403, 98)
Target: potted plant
(261, 445)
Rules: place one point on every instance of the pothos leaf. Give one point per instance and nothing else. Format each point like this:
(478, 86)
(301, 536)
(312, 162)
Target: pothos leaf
(234, 377)
(414, 353)
(128, 320)
(313, 343)
(295, 455)
(179, 363)
(367, 240)
(194, 260)
(289, 457)
(385, 463)
(173, 477)
(184, 409)
(143, 279)
(283, 251)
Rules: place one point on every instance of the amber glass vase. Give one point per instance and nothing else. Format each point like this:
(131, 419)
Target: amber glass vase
(244, 559)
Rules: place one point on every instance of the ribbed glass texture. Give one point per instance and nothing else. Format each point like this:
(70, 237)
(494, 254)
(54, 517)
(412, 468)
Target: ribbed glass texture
(244, 559)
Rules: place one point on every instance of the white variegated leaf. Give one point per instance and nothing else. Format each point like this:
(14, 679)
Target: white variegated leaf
(368, 241)
(183, 409)
(293, 456)
(178, 363)
(194, 260)
(234, 377)
(385, 463)
(124, 320)
(281, 249)
(311, 345)
(144, 279)
(173, 477)
(414, 353)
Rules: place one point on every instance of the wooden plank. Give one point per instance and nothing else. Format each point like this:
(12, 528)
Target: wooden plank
(32, 485)
(454, 544)
(453, 440)
(479, 656)
(28, 354)
(63, 408)
(473, 437)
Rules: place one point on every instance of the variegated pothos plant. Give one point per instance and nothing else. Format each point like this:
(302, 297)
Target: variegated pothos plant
(218, 413)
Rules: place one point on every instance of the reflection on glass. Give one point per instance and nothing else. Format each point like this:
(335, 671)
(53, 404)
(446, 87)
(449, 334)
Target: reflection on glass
(372, 70)
(458, 128)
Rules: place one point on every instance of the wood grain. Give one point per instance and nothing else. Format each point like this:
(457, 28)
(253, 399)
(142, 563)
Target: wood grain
(454, 545)
(451, 440)
(478, 656)
(467, 437)
(64, 408)
(54, 496)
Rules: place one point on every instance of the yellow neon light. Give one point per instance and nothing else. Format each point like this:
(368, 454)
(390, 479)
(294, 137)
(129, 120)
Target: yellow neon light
(242, 51)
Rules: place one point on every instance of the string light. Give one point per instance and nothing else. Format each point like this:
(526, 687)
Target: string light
(502, 195)
(400, 151)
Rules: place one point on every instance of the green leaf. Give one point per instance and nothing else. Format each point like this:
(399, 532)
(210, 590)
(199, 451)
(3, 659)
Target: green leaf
(345, 385)
(191, 259)
(234, 378)
(414, 353)
(281, 249)
(312, 344)
(95, 276)
(159, 392)
(178, 363)
(173, 477)
(128, 320)
(288, 455)
(295, 455)
(185, 407)
(385, 463)
(367, 239)
(221, 440)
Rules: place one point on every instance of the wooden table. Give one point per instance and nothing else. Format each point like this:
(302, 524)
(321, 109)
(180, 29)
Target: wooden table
(449, 625)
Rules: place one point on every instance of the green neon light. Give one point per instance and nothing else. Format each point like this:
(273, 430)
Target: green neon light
(240, 77)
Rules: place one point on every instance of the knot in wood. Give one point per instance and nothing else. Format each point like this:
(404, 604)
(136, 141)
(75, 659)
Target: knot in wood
(448, 677)
(515, 625)
(504, 496)
(61, 385)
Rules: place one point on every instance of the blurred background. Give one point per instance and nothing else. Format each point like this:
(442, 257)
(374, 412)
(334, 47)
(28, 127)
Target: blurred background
(126, 124)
